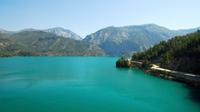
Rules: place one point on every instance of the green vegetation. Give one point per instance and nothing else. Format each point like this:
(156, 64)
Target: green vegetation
(145, 64)
(31, 43)
(181, 53)
(122, 63)
(111, 41)
(7, 53)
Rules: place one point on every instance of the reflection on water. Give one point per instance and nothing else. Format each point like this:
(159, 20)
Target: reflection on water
(89, 84)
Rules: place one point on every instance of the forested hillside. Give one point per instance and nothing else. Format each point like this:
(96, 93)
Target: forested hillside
(181, 53)
(31, 43)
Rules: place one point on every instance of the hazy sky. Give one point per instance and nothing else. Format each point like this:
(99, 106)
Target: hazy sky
(86, 16)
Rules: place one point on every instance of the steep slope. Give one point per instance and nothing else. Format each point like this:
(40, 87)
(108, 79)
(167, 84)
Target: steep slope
(43, 43)
(10, 48)
(59, 31)
(116, 41)
(63, 32)
(181, 53)
(3, 31)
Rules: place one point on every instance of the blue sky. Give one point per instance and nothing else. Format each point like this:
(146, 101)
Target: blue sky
(87, 16)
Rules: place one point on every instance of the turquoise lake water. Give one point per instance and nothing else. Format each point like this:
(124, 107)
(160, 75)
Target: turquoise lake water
(86, 84)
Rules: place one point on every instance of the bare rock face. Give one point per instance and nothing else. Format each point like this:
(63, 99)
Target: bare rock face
(117, 41)
(37, 42)
(64, 33)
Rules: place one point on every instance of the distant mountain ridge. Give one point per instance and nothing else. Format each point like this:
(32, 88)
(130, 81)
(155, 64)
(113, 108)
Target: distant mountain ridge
(110, 41)
(36, 42)
(2, 31)
(116, 41)
(59, 31)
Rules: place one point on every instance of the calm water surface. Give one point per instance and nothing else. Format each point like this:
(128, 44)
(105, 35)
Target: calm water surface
(86, 84)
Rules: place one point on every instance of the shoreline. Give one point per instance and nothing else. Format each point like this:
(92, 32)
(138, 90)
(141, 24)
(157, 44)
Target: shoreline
(173, 77)
(154, 70)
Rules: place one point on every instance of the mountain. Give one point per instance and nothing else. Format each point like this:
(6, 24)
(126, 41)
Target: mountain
(59, 31)
(44, 43)
(116, 41)
(181, 53)
(63, 32)
(8, 47)
(112, 41)
(2, 31)
(29, 29)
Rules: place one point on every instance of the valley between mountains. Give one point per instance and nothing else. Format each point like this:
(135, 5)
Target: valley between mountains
(109, 41)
